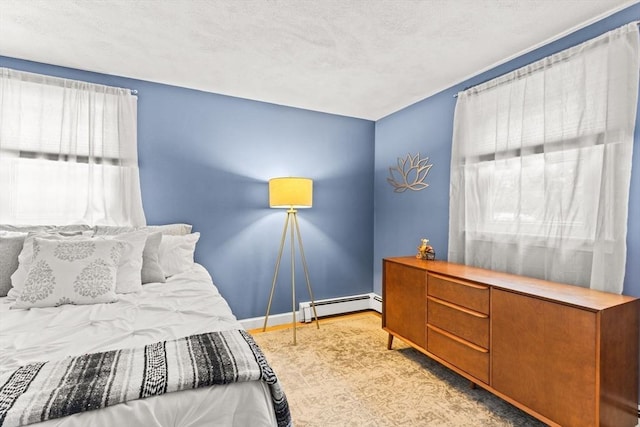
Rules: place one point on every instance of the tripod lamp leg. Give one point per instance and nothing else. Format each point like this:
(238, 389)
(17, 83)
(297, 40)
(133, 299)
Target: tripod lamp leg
(275, 274)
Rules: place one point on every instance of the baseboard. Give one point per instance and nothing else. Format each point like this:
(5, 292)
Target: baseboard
(274, 320)
(326, 307)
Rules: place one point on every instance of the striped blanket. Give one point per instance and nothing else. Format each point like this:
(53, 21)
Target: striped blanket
(48, 390)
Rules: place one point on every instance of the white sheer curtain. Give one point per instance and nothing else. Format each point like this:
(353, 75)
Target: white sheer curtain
(68, 152)
(541, 166)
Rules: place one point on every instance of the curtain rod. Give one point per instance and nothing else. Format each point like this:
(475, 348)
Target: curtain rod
(455, 95)
(39, 78)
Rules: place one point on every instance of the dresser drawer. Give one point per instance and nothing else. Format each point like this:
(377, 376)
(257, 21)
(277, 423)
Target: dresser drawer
(465, 356)
(462, 322)
(459, 292)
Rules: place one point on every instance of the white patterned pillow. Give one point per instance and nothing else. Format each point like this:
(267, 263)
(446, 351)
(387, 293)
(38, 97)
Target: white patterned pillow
(26, 255)
(71, 272)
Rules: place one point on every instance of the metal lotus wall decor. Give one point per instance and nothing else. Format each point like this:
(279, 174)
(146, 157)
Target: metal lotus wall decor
(410, 173)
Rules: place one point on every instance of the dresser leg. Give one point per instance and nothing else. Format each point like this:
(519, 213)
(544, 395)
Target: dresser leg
(390, 342)
(472, 385)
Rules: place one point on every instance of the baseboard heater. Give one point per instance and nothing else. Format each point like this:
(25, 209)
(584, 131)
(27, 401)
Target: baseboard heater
(326, 307)
(333, 306)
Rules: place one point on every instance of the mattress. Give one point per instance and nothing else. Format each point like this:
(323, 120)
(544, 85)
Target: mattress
(187, 304)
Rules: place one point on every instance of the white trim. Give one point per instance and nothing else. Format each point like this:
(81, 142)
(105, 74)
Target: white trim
(326, 307)
(274, 320)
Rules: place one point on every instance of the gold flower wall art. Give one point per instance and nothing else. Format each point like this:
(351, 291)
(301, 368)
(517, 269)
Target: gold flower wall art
(409, 174)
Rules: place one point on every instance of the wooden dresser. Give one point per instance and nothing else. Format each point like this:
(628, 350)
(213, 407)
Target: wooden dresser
(566, 355)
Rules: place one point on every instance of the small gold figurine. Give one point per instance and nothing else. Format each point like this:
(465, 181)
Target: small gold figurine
(425, 250)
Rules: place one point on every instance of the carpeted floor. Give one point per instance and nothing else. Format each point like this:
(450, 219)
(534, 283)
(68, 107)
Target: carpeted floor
(343, 375)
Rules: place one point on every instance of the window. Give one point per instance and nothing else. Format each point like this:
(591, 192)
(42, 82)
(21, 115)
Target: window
(68, 152)
(541, 165)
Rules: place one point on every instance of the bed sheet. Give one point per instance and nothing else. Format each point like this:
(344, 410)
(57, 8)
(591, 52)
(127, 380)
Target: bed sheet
(186, 304)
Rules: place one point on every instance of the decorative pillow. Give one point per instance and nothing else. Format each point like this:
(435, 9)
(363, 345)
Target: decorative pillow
(129, 278)
(71, 272)
(151, 270)
(24, 259)
(10, 248)
(176, 253)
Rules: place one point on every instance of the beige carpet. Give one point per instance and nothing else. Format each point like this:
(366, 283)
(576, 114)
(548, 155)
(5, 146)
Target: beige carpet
(343, 375)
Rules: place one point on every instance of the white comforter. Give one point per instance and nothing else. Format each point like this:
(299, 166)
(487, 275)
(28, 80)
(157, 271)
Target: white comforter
(187, 304)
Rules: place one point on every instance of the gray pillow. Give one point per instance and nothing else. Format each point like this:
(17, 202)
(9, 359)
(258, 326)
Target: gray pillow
(151, 270)
(10, 248)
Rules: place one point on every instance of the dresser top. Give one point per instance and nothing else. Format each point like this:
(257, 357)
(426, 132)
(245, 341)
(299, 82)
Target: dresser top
(560, 292)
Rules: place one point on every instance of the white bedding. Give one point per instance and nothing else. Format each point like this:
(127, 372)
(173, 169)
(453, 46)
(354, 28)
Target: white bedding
(186, 304)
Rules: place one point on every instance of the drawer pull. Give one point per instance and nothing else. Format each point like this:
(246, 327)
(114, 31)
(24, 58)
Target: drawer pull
(455, 338)
(457, 307)
(459, 282)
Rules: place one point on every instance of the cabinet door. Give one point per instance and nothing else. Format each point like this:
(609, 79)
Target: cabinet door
(404, 301)
(544, 356)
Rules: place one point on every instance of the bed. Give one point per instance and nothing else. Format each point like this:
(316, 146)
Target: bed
(186, 304)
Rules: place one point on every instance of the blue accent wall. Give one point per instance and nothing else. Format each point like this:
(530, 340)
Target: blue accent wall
(401, 219)
(205, 159)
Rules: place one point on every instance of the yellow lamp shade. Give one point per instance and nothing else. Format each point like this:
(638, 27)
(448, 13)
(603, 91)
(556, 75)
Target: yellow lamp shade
(290, 192)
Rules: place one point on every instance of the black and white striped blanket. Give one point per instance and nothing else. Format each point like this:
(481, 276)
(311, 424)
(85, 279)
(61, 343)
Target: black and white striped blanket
(48, 390)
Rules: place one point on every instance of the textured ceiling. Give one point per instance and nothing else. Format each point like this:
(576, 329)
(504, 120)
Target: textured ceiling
(358, 58)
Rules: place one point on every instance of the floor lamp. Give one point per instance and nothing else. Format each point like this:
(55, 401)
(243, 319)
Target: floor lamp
(291, 193)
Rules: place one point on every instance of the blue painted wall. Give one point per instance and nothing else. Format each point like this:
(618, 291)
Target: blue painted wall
(401, 219)
(205, 159)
